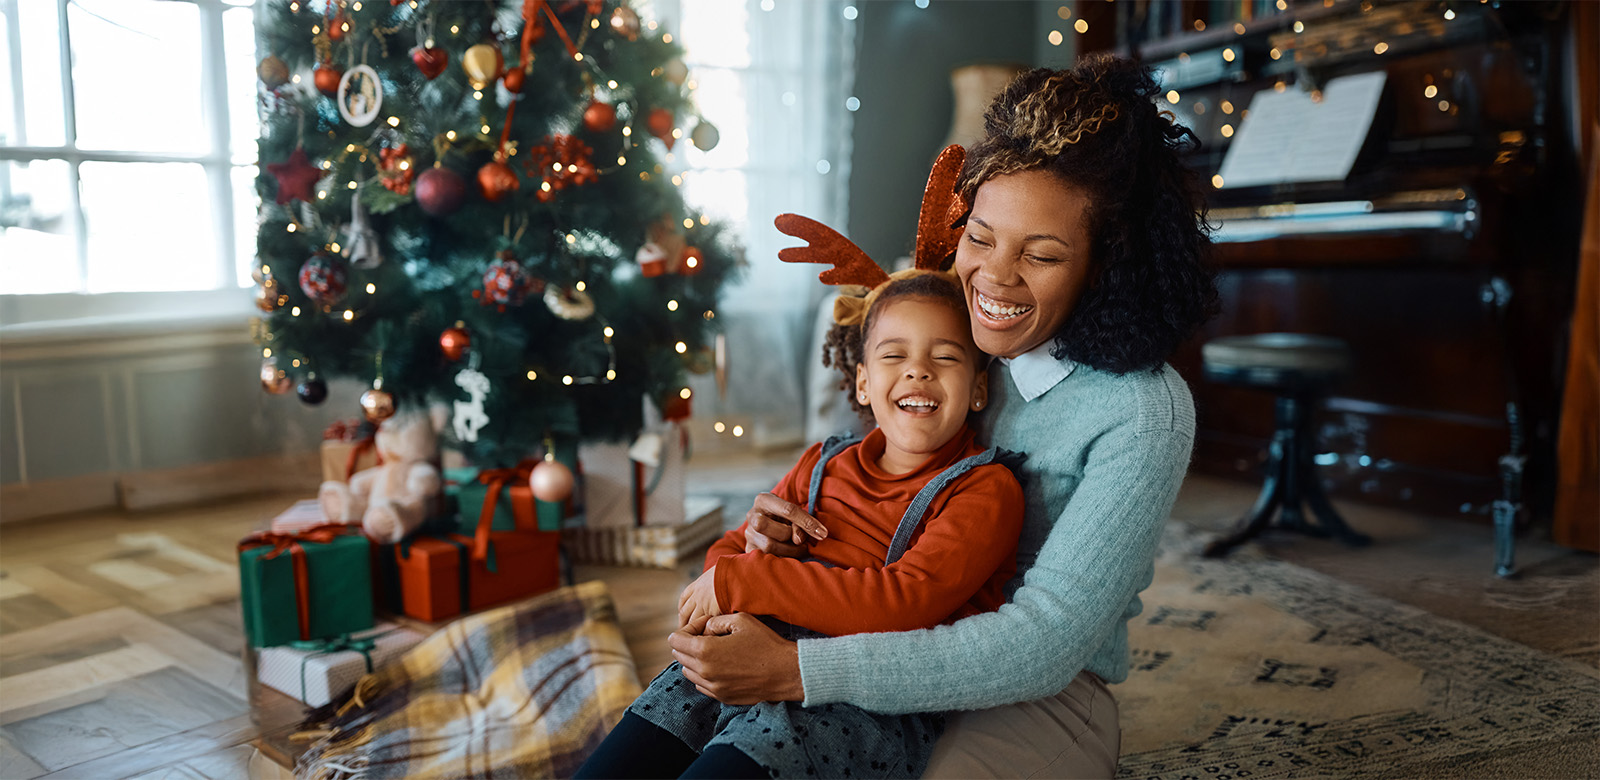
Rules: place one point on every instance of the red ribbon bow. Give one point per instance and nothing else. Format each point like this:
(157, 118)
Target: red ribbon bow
(319, 534)
(496, 479)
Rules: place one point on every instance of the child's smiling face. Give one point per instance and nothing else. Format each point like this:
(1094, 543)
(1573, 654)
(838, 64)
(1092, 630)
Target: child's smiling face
(921, 374)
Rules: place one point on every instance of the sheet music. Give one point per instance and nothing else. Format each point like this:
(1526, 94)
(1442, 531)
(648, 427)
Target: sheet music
(1288, 138)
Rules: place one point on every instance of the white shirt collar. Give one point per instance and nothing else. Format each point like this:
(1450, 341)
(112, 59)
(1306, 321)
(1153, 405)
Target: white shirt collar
(1034, 372)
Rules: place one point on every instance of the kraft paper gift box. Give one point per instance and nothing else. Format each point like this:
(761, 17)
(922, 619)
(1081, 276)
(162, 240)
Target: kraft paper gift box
(445, 575)
(637, 485)
(318, 672)
(312, 585)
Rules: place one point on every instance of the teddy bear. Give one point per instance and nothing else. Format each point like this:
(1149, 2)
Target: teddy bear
(392, 499)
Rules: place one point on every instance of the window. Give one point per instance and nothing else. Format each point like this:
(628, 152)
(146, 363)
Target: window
(127, 145)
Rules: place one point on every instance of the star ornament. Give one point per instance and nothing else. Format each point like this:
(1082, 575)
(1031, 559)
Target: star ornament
(296, 178)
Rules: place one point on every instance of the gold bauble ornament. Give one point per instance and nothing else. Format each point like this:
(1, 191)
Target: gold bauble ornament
(675, 71)
(625, 22)
(551, 481)
(272, 72)
(273, 379)
(377, 405)
(482, 64)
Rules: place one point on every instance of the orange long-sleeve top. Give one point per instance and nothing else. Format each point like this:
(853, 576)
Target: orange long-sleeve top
(957, 564)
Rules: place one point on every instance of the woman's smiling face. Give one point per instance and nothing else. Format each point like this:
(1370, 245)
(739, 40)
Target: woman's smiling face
(1023, 260)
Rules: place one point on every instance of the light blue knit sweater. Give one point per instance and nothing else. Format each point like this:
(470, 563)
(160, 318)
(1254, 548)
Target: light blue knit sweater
(1106, 455)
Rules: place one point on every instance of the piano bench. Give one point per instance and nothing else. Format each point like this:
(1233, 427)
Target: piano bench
(1299, 370)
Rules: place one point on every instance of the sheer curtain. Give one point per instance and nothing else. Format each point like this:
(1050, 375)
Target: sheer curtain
(775, 77)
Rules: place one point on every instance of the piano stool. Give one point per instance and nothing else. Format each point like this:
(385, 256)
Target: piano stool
(1299, 369)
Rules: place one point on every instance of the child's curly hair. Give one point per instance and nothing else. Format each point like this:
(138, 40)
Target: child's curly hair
(844, 347)
(1096, 126)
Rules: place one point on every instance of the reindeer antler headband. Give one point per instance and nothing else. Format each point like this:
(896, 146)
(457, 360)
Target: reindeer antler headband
(942, 208)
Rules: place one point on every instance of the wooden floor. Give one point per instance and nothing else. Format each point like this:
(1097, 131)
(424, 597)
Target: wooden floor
(121, 645)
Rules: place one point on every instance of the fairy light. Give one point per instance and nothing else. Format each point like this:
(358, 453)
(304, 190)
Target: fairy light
(455, 28)
(705, 220)
(1216, 181)
(1227, 106)
(327, 164)
(667, 38)
(413, 5)
(1228, 55)
(371, 288)
(290, 228)
(1172, 96)
(450, 134)
(532, 375)
(1081, 26)
(349, 315)
(627, 130)
(594, 24)
(1444, 105)
(719, 427)
(334, 247)
(612, 84)
(296, 363)
(572, 239)
(477, 94)
(1275, 53)
(577, 57)
(688, 223)
(677, 180)
(1449, 13)
(485, 129)
(644, 176)
(350, 184)
(1238, 28)
(738, 430)
(545, 186)
(611, 374)
(677, 132)
(622, 160)
(295, 78)
(693, 84)
(1054, 38)
(685, 393)
(356, 6)
(322, 194)
(316, 28)
(266, 270)
(1430, 91)
(1279, 87)
(681, 347)
(709, 315)
(1380, 48)
(295, 312)
(566, 380)
(580, 287)
(573, 168)
(1227, 131)
(1283, 5)
(294, 8)
(692, 262)
(673, 305)
(609, 332)
(1299, 27)
(266, 352)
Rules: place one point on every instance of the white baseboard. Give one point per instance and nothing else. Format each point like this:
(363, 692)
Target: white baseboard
(154, 489)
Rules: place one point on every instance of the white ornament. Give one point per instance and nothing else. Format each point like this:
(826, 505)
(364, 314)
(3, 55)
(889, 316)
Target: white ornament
(469, 415)
(360, 96)
(362, 249)
(647, 449)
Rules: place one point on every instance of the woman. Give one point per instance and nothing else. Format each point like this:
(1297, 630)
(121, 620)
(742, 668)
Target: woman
(1082, 265)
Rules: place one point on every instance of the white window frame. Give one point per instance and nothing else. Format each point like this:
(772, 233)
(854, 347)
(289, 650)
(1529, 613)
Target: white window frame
(24, 315)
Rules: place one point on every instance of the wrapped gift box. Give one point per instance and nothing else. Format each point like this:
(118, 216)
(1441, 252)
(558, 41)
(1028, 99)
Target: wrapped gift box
(317, 672)
(336, 458)
(637, 485)
(660, 546)
(300, 517)
(469, 490)
(441, 576)
(334, 599)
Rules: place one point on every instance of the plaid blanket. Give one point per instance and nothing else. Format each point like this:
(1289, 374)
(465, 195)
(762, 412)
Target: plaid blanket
(527, 690)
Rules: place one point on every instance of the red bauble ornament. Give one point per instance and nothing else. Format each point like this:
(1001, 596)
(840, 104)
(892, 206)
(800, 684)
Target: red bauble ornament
(327, 77)
(323, 278)
(337, 27)
(454, 342)
(660, 123)
(440, 191)
(496, 180)
(431, 60)
(677, 408)
(551, 481)
(296, 178)
(396, 168)
(599, 117)
(513, 80)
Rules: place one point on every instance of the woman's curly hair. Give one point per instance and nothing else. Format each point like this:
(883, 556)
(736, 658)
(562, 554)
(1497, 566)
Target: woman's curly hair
(844, 347)
(1096, 127)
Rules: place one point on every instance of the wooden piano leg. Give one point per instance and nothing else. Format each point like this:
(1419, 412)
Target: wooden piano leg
(1332, 523)
(1266, 504)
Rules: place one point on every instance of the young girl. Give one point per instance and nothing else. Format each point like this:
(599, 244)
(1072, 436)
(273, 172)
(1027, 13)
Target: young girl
(921, 529)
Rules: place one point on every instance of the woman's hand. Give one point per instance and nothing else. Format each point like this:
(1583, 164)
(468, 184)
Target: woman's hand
(698, 603)
(777, 527)
(736, 659)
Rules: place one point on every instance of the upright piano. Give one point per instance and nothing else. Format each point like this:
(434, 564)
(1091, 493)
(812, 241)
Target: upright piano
(1445, 258)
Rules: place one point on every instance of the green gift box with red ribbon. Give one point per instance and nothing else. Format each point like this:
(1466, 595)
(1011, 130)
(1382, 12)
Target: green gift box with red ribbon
(305, 586)
(501, 495)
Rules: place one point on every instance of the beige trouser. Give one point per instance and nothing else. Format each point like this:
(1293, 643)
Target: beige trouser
(1073, 734)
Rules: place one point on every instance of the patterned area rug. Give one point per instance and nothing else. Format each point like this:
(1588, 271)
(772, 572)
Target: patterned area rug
(1257, 668)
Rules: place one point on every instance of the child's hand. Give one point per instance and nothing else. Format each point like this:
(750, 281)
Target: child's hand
(699, 600)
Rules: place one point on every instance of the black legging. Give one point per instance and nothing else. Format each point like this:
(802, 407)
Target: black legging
(637, 748)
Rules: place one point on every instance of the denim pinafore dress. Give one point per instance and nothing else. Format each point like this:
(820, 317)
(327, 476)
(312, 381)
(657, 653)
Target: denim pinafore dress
(831, 740)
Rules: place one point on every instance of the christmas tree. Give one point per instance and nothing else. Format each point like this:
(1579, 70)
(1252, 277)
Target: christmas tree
(473, 202)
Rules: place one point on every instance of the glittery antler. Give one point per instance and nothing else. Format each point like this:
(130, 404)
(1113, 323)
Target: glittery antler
(850, 264)
(941, 207)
